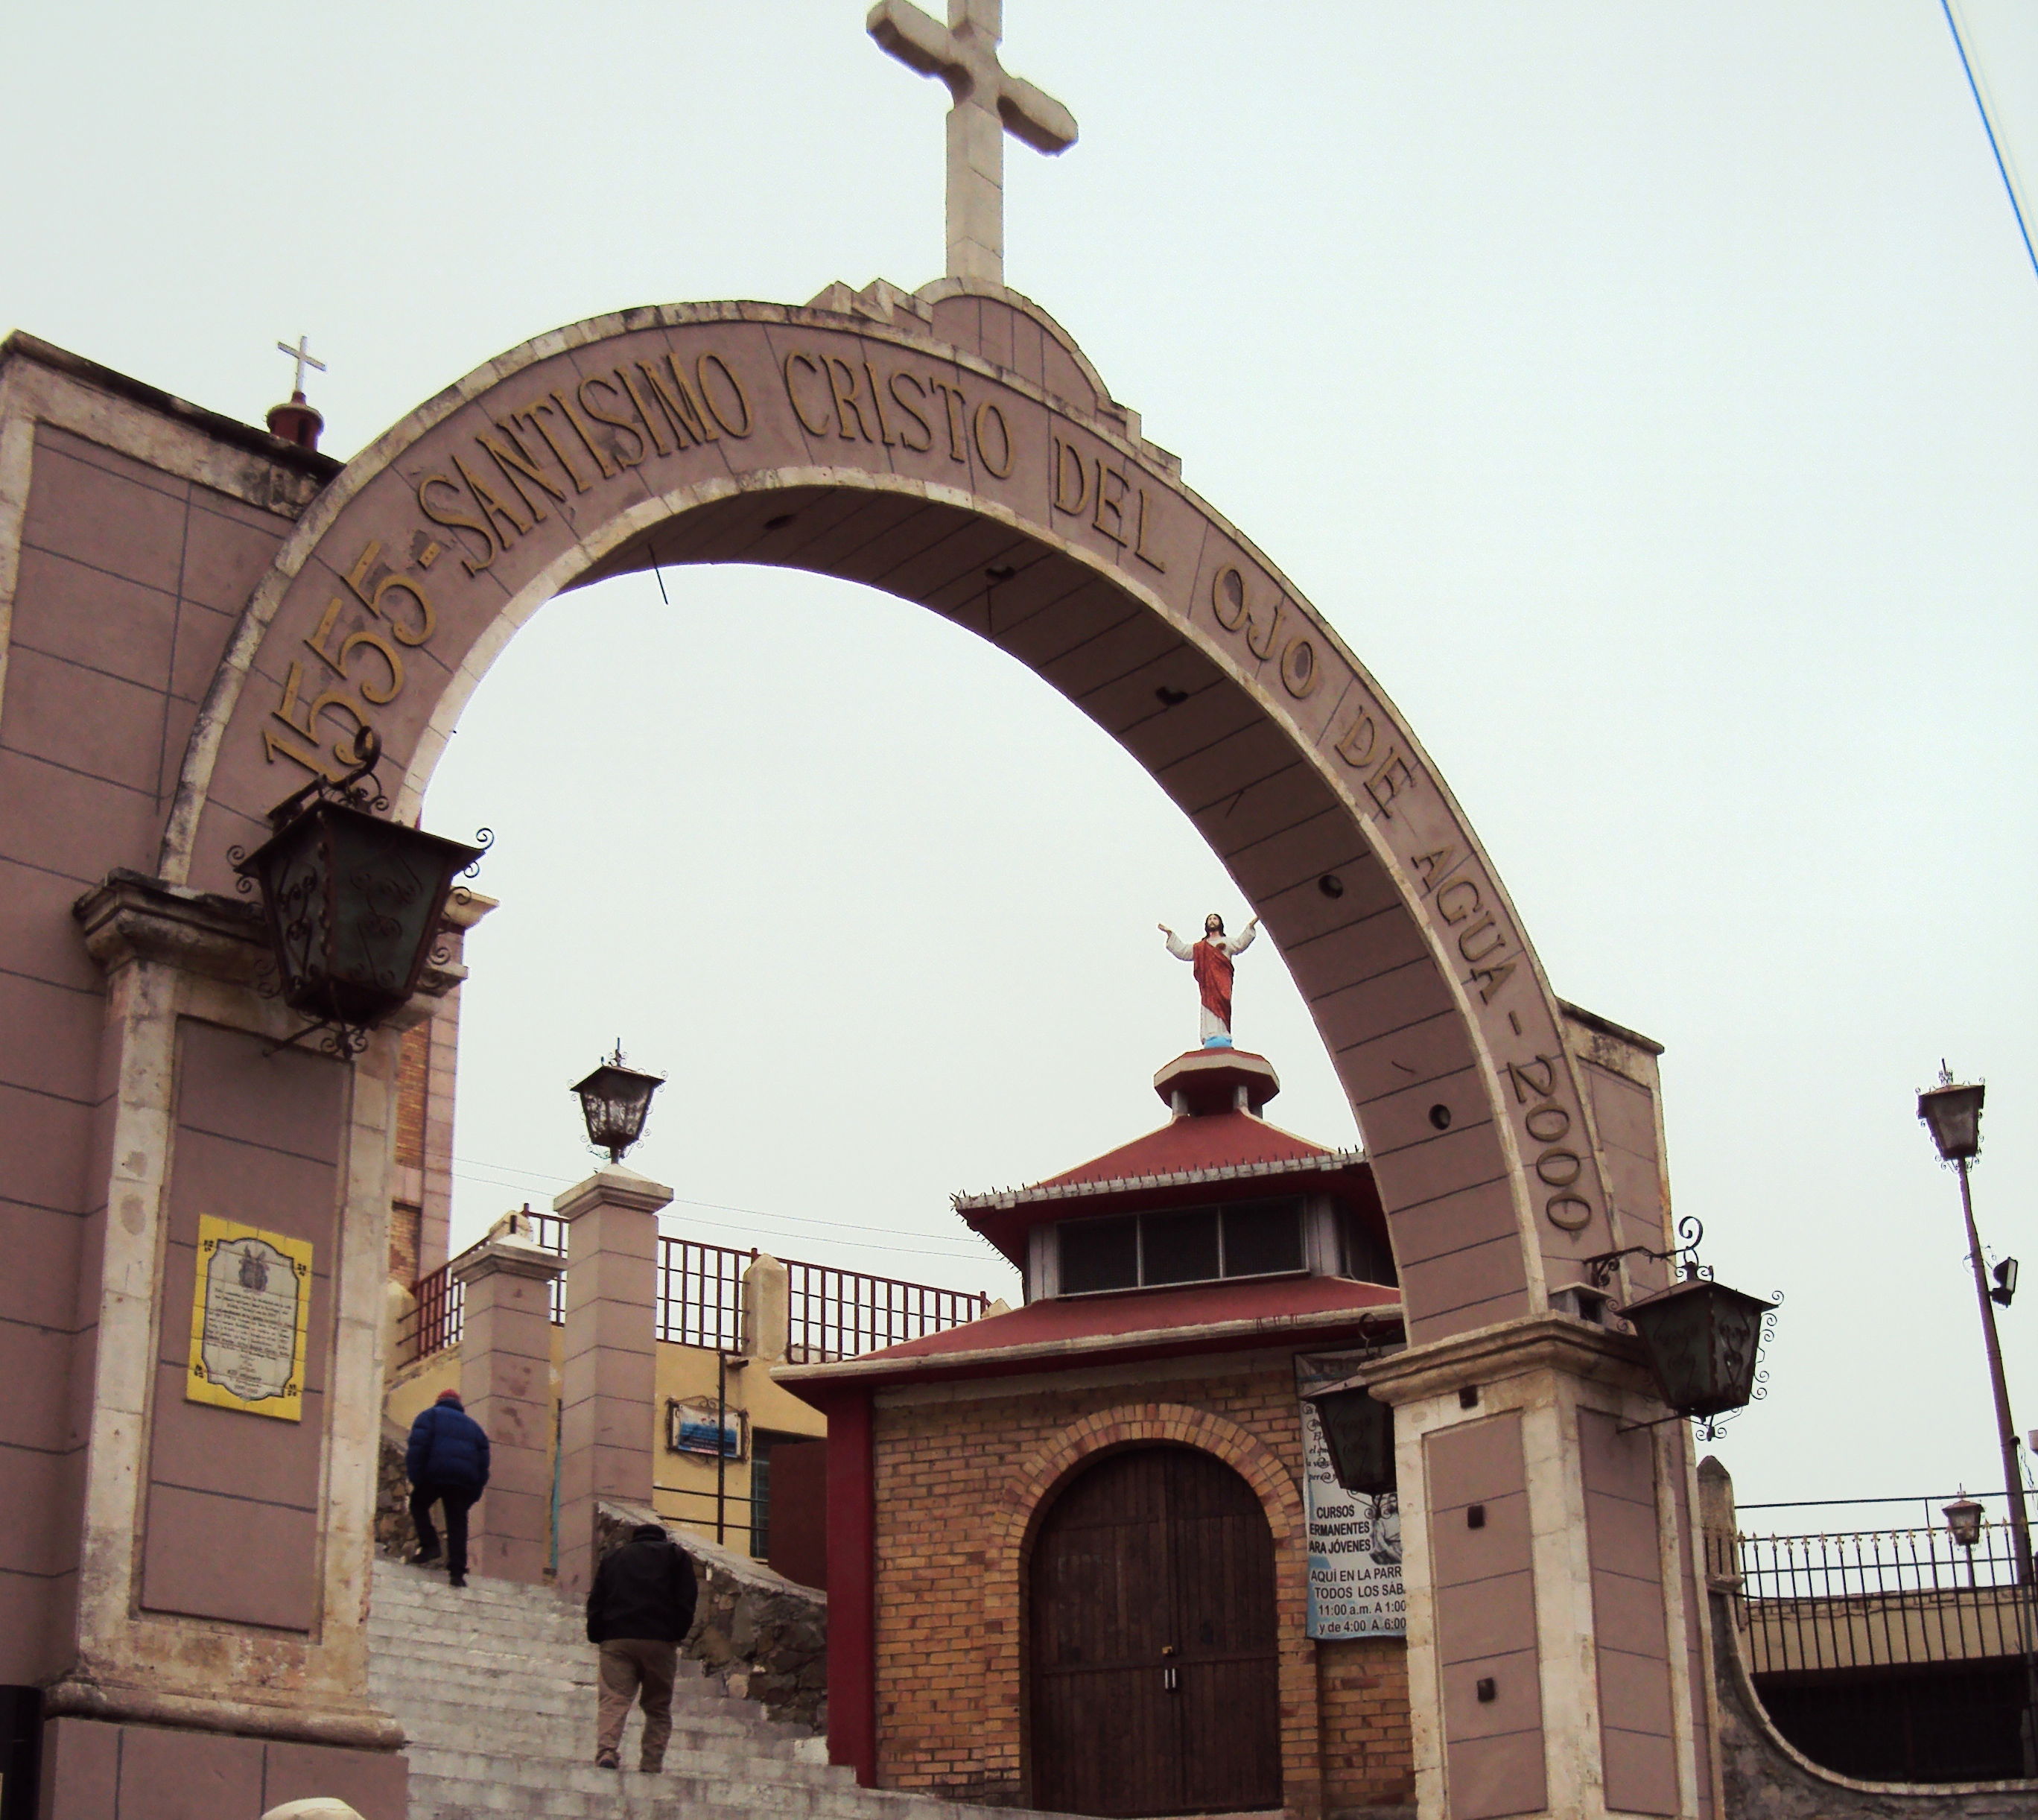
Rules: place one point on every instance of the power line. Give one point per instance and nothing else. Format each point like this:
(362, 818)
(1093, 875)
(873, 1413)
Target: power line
(971, 1254)
(681, 1200)
(1988, 126)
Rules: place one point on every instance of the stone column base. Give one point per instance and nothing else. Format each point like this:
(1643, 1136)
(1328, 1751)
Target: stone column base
(110, 1769)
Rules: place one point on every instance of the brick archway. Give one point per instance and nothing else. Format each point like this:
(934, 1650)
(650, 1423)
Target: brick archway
(956, 450)
(1031, 1493)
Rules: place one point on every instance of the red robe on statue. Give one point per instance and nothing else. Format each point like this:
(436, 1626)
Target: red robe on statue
(1213, 974)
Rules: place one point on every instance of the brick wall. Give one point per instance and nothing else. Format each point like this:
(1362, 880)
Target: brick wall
(413, 1073)
(1362, 1694)
(405, 1221)
(962, 1474)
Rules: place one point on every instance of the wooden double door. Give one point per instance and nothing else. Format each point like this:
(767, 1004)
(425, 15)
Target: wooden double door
(1155, 1663)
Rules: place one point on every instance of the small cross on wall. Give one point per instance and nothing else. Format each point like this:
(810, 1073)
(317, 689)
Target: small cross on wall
(989, 104)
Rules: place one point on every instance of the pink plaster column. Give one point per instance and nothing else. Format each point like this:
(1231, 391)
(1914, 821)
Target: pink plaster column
(608, 1417)
(505, 1367)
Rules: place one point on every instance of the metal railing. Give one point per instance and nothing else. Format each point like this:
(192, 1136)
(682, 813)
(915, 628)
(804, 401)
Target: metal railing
(436, 1320)
(1891, 1654)
(839, 1313)
(700, 1294)
(834, 1314)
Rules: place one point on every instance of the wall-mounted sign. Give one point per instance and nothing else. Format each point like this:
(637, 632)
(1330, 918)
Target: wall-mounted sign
(250, 1310)
(698, 1425)
(1355, 1587)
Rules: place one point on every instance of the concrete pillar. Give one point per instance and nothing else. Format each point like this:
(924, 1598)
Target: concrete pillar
(608, 1417)
(506, 1364)
(1558, 1637)
(767, 1308)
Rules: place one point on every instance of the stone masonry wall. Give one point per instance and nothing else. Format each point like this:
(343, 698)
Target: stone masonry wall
(1762, 1778)
(959, 1481)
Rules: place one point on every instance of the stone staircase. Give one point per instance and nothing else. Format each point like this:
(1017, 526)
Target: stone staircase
(494, 1685)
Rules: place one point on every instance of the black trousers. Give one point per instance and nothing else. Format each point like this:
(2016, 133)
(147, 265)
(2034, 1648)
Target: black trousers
(455, 1499)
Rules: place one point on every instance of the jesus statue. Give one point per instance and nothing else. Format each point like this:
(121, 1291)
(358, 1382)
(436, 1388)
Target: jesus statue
(1211, 957)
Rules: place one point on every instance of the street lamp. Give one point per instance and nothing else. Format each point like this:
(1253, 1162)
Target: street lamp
(1703, 1340)
(1704, 1343)
(1964, 1523)
(354, 902)
(1951, 1112)
(1358, 1433)
(615, 1101)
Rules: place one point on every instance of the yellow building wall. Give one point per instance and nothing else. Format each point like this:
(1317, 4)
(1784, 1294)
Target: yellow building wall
(685, 1483)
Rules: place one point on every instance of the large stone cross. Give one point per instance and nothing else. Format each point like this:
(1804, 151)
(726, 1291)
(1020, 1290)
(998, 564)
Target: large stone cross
(988, 104)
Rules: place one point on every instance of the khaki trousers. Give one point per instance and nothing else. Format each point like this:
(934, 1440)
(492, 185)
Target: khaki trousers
(640, 1668)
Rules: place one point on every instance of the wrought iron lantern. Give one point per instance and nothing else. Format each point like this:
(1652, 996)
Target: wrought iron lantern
(1703, 1340)
(1951, 1112)
(1964, 1520)
(1358, 1430)
(354, 902)
(1704, 1343)
(615, 1101)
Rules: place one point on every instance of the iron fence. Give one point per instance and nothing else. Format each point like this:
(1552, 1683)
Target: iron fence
(834, 1314)
(433, 1323)
(1891, 1654)
(700, 1294)
(839, 1313)
(435, 1319)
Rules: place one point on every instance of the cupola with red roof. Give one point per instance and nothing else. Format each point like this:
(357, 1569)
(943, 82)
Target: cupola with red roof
(1218, 1194)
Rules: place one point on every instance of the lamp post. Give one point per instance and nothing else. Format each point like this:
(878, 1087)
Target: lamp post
(1953, 1114)
(1963, 1525)
(615, 1101)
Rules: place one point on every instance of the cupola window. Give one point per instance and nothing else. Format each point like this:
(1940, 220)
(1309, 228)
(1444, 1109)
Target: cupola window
(1192, 1244)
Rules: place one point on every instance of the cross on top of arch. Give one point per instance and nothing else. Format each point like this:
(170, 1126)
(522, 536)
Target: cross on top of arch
(988, 104)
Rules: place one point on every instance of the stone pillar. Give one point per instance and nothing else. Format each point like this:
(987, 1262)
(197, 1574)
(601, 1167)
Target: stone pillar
(505, 1367)
(1558, 1637)
(767, 1308)
(609, 1390)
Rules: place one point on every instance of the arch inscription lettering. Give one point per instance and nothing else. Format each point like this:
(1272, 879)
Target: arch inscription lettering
(877, 452)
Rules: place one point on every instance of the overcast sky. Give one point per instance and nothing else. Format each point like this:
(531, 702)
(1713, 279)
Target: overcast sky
(1645, 389)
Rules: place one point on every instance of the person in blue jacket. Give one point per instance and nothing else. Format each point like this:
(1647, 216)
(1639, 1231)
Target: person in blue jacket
(447, 1464)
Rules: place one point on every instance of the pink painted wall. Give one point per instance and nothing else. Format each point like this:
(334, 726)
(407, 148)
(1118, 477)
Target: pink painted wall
(1485, 1594)
(98, 1771)
(129, 583)
(231, 1528)
(1629, 1634)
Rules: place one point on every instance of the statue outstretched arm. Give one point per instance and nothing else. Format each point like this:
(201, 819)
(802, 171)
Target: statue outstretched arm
(1176, 947)
(1243, 940)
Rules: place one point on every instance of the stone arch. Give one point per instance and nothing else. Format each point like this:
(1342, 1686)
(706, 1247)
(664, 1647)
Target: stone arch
(954, 450)
(1031, 1493)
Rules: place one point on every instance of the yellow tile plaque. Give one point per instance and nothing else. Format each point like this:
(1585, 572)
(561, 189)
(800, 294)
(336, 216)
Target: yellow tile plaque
(249, 1312)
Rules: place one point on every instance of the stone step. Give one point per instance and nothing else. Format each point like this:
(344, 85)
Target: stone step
(480, 1685)
(659, 1798)
(575, 1769)
(491, 1652)
(631, 1795)
(453, 1725)
(393, 1583)
(554, 1788)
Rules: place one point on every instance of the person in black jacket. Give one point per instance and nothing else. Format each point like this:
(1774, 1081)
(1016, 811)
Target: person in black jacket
(639, 1610)
(447, 1464)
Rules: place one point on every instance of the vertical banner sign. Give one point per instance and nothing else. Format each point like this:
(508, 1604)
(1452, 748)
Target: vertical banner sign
(1354, 1540)
(250, 1310)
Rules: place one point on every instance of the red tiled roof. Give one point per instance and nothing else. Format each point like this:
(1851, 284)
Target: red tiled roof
(1215, 1140)
(1172, 1318)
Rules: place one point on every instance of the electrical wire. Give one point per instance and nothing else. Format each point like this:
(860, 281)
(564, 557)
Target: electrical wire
(972, 1254)
(1988, 126)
